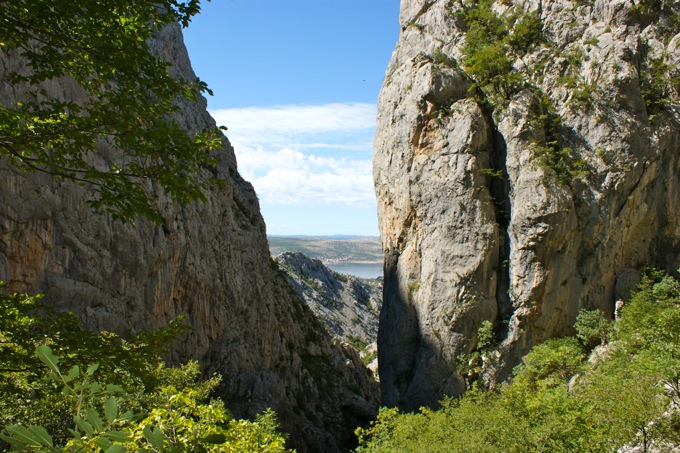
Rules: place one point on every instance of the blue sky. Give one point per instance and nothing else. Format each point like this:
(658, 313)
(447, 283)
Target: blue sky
(296, 82)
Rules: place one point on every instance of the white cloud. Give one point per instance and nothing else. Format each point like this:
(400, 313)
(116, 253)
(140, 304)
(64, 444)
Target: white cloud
(356, 146)
(291, 177)
(305, 154)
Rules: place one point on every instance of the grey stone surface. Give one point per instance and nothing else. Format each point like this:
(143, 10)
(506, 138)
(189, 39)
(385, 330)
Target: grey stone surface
(209, 261)
(347, 305)
(523, 251)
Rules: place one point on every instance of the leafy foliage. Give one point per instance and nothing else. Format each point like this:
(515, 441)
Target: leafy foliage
(526, 33)
(592, 328)
(550, 363)
(565, 163)
(26, 396)
(652, 6)
(66, 389)
(356, 342)
(439, 57)
(125, 97)
(558, 401)
(493, 42)
(470, 365)
(655, 85)
(486, 337)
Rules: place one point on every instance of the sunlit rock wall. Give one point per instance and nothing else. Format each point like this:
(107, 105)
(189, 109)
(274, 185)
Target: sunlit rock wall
(476, 229)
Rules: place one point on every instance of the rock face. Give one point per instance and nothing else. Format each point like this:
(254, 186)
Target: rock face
(520, 210)
(209, 261)
(347, 305)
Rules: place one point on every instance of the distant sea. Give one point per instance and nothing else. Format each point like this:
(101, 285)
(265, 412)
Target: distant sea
(361, 270)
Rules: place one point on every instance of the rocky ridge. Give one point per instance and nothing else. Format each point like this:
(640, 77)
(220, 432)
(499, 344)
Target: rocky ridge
(209, 261)
(519, 180)
(347, 305)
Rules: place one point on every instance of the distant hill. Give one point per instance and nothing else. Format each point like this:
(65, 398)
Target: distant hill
(347, 305)
(330, 248)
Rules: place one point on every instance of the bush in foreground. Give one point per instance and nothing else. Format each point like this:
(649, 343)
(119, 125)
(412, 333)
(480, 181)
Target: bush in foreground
(66, 389)
(560, 402)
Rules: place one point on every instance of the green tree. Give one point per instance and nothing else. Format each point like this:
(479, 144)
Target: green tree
(125, 97)
(176, 417)
(560, 402)
(28, 396)
(486, 337)
(592, 328)
(63, 388)
(493, 42)
(549, 364)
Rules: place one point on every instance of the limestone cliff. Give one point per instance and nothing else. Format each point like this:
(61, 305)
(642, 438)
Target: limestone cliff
(519, 194)
(209, 261)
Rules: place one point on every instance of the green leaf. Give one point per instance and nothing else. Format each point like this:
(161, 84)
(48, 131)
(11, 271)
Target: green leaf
(112, 388)
(72, 374)
(155, 437)
(117, 436)
(215, 438)
(21, 434)
(6, 438)
(94, 419)
(79, 386)
(116, 449)
(127, 416)
(85, 426)
(45, 354)
(111, 409)
(41, 433)
(103, 443)
(92, 368)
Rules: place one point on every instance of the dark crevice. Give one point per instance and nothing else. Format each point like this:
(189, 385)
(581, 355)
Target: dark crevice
(500, 193)
(499, 189)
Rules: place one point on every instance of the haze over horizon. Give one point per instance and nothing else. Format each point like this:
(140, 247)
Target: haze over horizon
(297, 84)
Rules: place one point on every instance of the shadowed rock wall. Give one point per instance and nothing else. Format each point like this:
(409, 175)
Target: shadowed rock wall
(209, 261)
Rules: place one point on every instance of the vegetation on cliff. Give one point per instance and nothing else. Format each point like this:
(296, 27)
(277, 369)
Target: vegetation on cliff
(67, 389)
(519, 157)
(495, 55)
(131, 97)
(566, 396)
